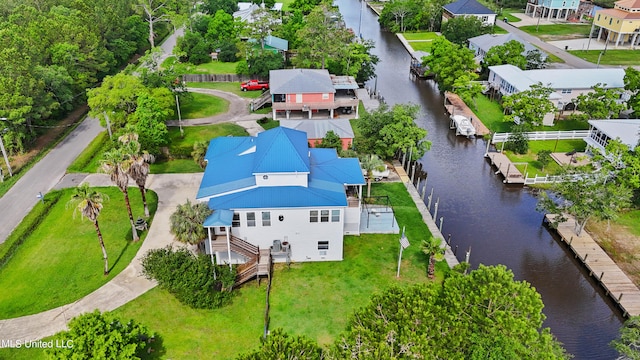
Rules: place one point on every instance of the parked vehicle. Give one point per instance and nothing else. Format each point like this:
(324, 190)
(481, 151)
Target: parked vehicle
(254, 85)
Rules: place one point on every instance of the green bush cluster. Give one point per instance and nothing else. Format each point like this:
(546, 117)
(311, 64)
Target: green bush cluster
(181, 152)
(28, 224)
(193, 280)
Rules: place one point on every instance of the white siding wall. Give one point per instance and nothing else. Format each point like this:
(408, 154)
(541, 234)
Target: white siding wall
(297, 229)
(282, 179)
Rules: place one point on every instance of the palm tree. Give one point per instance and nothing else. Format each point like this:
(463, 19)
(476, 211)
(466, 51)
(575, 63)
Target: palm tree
(370, 163)
(139, 167)
(198, 153)
(186, 222)
(89, 203)
(116, 164)
(435, 252)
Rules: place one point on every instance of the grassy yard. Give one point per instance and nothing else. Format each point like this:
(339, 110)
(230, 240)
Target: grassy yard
(201, 105)
(558, 31)
(507, 13)
(631, 219)
(232, 87)
(534, 167)
(181, 146)
(61, 257)
(611, 57)
(269, 124)
(213, 67)
(314, 299)
(420, 35)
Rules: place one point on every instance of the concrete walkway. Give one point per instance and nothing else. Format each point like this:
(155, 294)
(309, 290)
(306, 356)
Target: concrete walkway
(172, 190)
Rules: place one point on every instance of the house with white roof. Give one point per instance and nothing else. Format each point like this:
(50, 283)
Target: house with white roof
(566, 83)
(272, 195)
(468, 8)
(601, 132)
(483, 43)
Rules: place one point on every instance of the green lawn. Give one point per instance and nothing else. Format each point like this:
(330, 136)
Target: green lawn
(534, 167)
(508, 14)
(180, 147)
(558, 31)
(420, 35)
(269, 124)
(213, 67)
(232, 87)
(314, 299)
(611, 57)
(202, 105)
(631, 219)
(61, 260)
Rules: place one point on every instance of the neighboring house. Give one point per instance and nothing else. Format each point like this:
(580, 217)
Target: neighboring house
(273, 43)
(311, 91)
(620, 25)
(603, 131)
(317, 129)
(468, 8)
(481, 44)
(552, 9)
(274, 193)
(566, 83)
(246, 9)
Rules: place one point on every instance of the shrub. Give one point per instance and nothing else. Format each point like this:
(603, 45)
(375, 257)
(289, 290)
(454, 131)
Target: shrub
(193, 280)
(518, 142)
(100, 336)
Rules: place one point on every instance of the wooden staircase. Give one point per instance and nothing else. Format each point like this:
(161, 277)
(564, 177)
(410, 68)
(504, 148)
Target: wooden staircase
(261, 101)
(258, 260)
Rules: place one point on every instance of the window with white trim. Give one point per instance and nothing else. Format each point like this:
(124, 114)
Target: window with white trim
(266, 218)
(335, 215)
(236, 220)
(323, 245)
(251, 219)
(324, 215)
(313, 216)
(325, 96)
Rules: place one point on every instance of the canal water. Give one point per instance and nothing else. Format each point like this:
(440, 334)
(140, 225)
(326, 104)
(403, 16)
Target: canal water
(500, 223)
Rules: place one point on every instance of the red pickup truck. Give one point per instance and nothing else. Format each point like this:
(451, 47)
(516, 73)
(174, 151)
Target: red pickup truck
(254, 85)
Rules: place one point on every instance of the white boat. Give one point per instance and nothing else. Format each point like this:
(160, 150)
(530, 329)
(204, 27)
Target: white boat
(462, 125)
(378, 175)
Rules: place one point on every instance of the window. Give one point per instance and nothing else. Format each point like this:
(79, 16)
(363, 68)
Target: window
(324, 215)
(313, 216)
(485, 18)
(323, 245)
(335, 215)
(598, 17)
(251, 219)
(236, 220)
(566, 91)
(266, 218)
(325, 96)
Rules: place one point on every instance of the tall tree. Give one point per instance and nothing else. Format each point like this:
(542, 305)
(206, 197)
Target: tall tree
(585, 197)
(530, 106)
(139, 168)
(116, 164)
(461, 28)
(449, 62)
(628, 344)
(371, 163)
(198, 153)
(600, 103)
(148, 122)
(186, 222)
(467, 89)
(510, 52)
(154, 11)
(228, 6)
(322, 37)
(632, 84)
(88, 202)
(263, 22)
(483, 315)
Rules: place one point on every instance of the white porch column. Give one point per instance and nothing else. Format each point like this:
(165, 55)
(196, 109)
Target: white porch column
(288, 112)
(618, 39)
(599, 32)
(357, 107)
(227, 230)
(330, 113)
(310, 113)
(210, 245)
(274, 114)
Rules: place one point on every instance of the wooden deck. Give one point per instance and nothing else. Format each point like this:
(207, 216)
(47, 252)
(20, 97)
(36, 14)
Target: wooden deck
(613, 280)
(505, 167)
(404, 178)
(455, 106)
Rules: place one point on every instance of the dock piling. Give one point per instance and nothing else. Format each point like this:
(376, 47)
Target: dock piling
(449, 239)
(441, 219)
(435, 212)
(430, 197)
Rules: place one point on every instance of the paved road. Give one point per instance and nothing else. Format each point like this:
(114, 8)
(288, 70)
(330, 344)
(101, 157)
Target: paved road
(21, 198)
(570, 60)
(172, 190)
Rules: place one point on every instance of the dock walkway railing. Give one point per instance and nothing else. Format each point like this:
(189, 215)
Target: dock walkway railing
(545, 135)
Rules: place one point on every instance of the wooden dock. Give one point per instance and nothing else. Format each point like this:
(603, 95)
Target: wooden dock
(613, 280)
(505, 167)
(404, 178)
(455, 106)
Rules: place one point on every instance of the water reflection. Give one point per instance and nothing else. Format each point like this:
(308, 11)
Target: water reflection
(498, 222)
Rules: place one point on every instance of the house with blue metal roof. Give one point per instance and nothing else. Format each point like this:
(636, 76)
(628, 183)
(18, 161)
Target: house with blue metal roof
(272, 191)
(468, 8)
